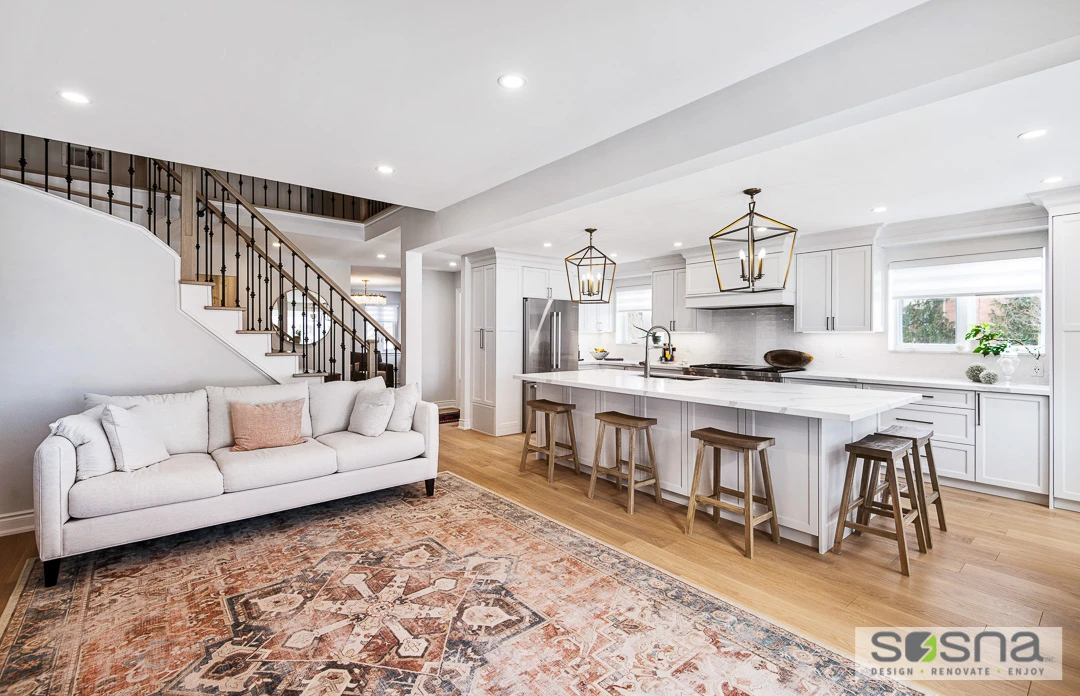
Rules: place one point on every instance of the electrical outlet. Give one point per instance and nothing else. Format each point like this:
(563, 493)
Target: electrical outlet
(840, 353)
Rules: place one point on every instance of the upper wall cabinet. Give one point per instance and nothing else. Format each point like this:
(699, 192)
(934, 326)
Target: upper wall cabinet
(544, 283)
(596, 318)
(669, 308)
(834, 290)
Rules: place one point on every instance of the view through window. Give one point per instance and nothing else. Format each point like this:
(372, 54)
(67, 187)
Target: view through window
(633, 308)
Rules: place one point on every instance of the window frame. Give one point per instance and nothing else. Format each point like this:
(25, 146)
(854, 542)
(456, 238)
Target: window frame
(646, 286)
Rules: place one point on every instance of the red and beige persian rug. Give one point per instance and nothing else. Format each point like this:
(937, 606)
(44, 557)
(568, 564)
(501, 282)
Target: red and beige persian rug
(397, 594)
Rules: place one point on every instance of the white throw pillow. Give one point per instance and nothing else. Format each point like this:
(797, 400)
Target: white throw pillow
(405, 400)
(372, 412)
(180, 419)
(134, 442)
(331, 403)
(93, 456)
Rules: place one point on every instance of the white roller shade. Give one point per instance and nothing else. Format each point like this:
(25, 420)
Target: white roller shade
(1015, 274)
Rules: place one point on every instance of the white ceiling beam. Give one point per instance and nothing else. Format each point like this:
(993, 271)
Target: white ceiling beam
(934, 51)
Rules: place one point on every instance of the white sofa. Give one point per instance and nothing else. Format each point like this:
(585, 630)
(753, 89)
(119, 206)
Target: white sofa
(203, 483)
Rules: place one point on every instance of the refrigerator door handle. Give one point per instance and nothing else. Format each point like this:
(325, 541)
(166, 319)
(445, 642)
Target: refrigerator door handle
(554, 354)
(557, 352)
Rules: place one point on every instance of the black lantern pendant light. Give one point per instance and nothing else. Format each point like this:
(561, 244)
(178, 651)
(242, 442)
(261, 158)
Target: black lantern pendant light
(764, 246)
(591, 274)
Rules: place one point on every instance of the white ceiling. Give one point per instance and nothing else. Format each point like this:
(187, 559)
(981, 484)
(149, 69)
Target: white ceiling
(321, 93)
(953, 156)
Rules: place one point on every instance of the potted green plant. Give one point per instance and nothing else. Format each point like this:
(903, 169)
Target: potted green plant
(992, 339)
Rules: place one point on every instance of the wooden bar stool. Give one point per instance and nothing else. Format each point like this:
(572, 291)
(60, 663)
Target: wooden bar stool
(876, 451)
(721, 440)
(551, 411)
(920, 437)
(632, 425)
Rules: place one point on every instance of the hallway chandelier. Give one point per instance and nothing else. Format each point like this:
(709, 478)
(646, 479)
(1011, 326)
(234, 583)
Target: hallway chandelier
(755, 236)
(366, 298)
(591, 274)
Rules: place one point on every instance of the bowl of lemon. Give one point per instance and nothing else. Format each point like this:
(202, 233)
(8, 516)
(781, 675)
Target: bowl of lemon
(599, 353)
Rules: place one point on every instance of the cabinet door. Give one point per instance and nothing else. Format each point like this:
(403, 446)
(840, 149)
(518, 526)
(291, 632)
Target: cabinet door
(559, 285)
(479, 300)
(663, 298)
(605, 317)
(534, 282)
(489, 298)
(586, 319)
(685, 318)
(813, 301)
(1012, 441)
(479, 372)
(852, 289)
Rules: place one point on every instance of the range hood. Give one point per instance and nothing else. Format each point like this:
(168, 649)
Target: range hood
(703, 290)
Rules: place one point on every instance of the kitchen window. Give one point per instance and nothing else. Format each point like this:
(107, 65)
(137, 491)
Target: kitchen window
(633, 308)
(934, 302)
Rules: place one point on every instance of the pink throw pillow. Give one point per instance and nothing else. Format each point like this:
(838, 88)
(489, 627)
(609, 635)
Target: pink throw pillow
(258, 426)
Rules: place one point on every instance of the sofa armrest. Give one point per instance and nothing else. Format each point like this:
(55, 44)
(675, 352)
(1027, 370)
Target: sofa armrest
(54, 475)
(426, 422)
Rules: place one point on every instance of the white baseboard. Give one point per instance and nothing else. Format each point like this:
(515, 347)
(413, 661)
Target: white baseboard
(16, 522)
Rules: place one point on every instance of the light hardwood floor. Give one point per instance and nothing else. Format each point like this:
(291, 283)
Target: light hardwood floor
(1001, 563)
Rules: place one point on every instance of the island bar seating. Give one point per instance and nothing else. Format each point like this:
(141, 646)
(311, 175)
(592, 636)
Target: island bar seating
(551, 411)
(632, 425)
(919, 437)
(721, 440)
(874, 451)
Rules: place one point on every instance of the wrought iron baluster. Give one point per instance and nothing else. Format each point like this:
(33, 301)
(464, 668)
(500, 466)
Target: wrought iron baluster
(68, 177)
(292, 315)
(46, 164)
(200, 212)
(236, 227)
(277, 194)
(266, 186)
(22, 159)
(344, 362)
(303, 315)
(330, 306)
(151, 190)
(131, 188)
(168, 206)
(90, 176)
(289, 192)
(281, 298)
(224, 234)
(110, 193)
(266, 288)
(318, 324)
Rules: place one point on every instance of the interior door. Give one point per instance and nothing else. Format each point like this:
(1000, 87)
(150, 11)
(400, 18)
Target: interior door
(813, 301)
(852, 288)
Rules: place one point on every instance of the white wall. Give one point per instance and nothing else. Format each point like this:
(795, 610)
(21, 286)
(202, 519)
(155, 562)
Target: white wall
(440, 343)
(90, 305)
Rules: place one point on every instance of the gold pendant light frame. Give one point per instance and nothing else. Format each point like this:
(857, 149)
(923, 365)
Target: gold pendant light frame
(751, 255)
(590, 274)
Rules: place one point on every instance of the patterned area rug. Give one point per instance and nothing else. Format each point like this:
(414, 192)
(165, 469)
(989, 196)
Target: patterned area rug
(396, 594)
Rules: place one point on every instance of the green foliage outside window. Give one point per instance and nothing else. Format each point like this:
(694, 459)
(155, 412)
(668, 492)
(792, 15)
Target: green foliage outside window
(925, 321)
(1020, 318)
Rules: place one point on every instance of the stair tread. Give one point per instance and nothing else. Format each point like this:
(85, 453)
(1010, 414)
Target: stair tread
(311, 374)
(257, 331)
(207, 283)
(291, 355)
(227, 309)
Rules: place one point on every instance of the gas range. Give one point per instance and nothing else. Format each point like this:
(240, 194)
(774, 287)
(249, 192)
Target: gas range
(757, 373)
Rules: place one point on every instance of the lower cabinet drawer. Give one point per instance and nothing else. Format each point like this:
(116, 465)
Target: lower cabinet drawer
(950, 424)
(953, 460)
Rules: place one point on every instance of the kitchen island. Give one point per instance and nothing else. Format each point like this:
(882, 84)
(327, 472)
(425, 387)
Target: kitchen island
(811, 425)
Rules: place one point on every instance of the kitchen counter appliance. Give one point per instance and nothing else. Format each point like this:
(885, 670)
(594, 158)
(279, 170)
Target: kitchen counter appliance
(757, 373)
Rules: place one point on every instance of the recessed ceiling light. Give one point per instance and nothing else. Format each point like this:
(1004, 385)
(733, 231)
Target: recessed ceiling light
(547, 245)
(277, 244)
(678, 244)
(384, 169)
(1053, 179)
(511, 81)
(614, 254)
(74, 97)
(879, 209)
(453, 263)
(380, 256)
(1032, 134)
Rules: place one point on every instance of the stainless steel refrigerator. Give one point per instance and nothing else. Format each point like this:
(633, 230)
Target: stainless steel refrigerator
(551, 340)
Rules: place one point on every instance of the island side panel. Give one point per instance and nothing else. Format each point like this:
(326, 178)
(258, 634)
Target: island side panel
(834, 436)
(669, 440)
(793, 461)
(722, 418)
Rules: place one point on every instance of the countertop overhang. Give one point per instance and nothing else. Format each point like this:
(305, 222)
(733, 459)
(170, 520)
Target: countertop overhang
(811, 401)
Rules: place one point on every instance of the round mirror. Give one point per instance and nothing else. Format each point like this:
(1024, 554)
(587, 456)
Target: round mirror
(305, 322)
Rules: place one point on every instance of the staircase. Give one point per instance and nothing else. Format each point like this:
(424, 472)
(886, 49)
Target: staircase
(241, 278)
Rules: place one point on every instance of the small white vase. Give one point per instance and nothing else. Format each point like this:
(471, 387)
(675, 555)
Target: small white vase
(1007, 363)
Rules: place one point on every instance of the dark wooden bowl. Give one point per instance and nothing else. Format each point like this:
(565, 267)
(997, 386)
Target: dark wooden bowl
(788, 358)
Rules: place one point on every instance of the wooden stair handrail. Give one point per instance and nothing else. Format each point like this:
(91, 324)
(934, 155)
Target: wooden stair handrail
(319, 301)
(296, 250)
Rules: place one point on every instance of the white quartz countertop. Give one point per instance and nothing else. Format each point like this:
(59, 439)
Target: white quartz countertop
(812, 401)
(928, 382)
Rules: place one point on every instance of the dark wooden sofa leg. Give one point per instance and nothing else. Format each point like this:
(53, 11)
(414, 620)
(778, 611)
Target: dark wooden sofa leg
(52, 572)
(430, 486)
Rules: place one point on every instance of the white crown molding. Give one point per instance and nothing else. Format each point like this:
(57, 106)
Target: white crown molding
(1060, 201)
(1013, 219)
(837, 239)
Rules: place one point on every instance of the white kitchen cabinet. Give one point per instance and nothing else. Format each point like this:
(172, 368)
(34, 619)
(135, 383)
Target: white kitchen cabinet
(483, 335)
(1012, 448)
(596, 318)
(669, 308)
(544, 283)
(835, 290)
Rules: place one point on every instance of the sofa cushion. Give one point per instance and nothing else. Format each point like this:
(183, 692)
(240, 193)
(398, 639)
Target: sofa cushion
(93, 455)
(178, 479)
(332, 403)
(133, 438)
(219, 398)
(270, 467)
(180, 419)
(358, 452)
